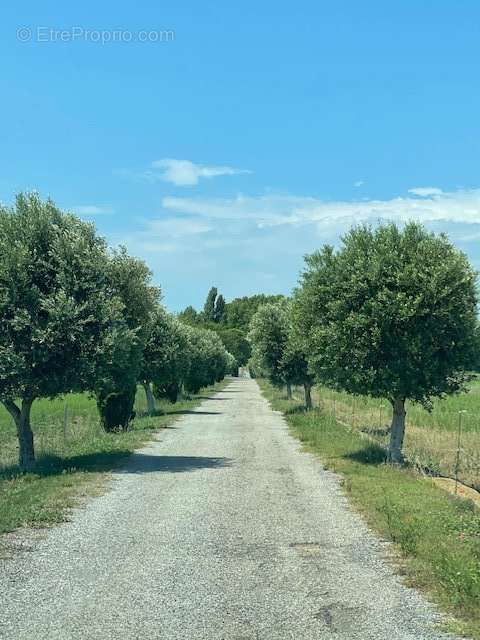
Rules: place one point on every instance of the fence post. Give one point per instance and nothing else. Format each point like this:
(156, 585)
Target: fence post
(65, 420)
(459, 442)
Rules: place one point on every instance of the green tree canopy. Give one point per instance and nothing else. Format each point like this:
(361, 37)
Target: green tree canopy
(240, 311)
(130, 280)
(274, 349)
(208, 359)
(166, 357)
(392, 314)
(190, 316)
(58, 313)
(236, 343)
(209, 306)
(219, 309)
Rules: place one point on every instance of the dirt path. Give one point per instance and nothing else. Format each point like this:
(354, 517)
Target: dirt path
(222, 529)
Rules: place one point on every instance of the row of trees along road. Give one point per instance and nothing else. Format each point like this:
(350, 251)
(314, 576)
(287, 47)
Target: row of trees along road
(229, 320)
(76, 316)
(392, 314)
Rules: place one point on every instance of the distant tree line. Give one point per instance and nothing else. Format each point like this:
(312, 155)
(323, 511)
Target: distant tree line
(229, 320)
(77, 316)
(392, 313)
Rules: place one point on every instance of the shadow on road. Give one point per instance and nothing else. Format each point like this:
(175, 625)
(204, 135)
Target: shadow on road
(52, 465)
(187, 412)
(212, 398)
(147, 463)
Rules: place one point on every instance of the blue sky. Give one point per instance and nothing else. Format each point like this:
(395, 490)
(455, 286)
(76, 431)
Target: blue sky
(241, 136)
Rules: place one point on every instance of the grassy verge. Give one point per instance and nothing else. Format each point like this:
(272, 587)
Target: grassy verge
(74, 456)
(432, 438)
(437, 536)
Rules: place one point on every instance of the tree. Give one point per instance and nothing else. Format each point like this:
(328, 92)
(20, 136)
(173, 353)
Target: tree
(392, 314)
(232, 365)
(166, 358)
(57, 314)
(209, 306)
(115, 389)
(208, 359)
(189, 316)
(219, 309)
(275, 350)
(240, 311)
(236, 343)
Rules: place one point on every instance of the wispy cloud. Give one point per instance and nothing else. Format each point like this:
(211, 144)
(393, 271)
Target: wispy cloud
(461, 206)
(261, 239)
(425, 192)
(184, 173)
(91, 210)
(358, 183)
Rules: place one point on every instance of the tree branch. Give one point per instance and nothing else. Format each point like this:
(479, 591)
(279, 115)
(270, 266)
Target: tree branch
(12, 409)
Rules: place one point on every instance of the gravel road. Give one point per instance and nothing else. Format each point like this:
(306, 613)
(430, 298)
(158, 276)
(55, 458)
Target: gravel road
(221, 529)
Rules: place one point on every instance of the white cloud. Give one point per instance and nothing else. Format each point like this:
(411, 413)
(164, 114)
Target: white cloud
(185, 173)
(425, 192)
(91, 210)
(169, 235)
(461, 206)
(358, 183)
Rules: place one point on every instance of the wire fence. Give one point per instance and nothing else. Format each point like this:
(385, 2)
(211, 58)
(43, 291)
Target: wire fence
(445, 442)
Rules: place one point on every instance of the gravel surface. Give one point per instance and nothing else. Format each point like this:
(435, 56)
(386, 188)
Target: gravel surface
(221, 529)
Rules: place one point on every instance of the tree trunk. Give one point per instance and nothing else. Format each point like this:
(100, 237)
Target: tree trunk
(289, 391)
(308, 395)
(26, 451)
(397, 431)
(151, 408)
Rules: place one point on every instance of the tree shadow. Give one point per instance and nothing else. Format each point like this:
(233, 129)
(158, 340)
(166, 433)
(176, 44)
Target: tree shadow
(211, 398)
(52, 465)
(189, 412)
(296, 409)
(376, 431)
(122, 461)
(147, 463)
(371, 454)
(154, 414)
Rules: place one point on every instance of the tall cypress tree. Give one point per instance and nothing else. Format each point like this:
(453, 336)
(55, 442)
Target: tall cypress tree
(209, 306)
(220, 309)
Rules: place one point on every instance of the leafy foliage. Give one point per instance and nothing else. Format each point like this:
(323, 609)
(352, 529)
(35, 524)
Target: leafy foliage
(219, 309)
(166, 357)
(392, 314)
(236, 343)
(209, 306)
(208, 359)
(240, 311)
(54, 302)
(275, 351)
(58, 312)
(129, 279)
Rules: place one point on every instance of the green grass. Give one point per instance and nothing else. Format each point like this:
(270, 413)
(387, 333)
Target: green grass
(431, 438)
(73, 461)
(437, 536)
